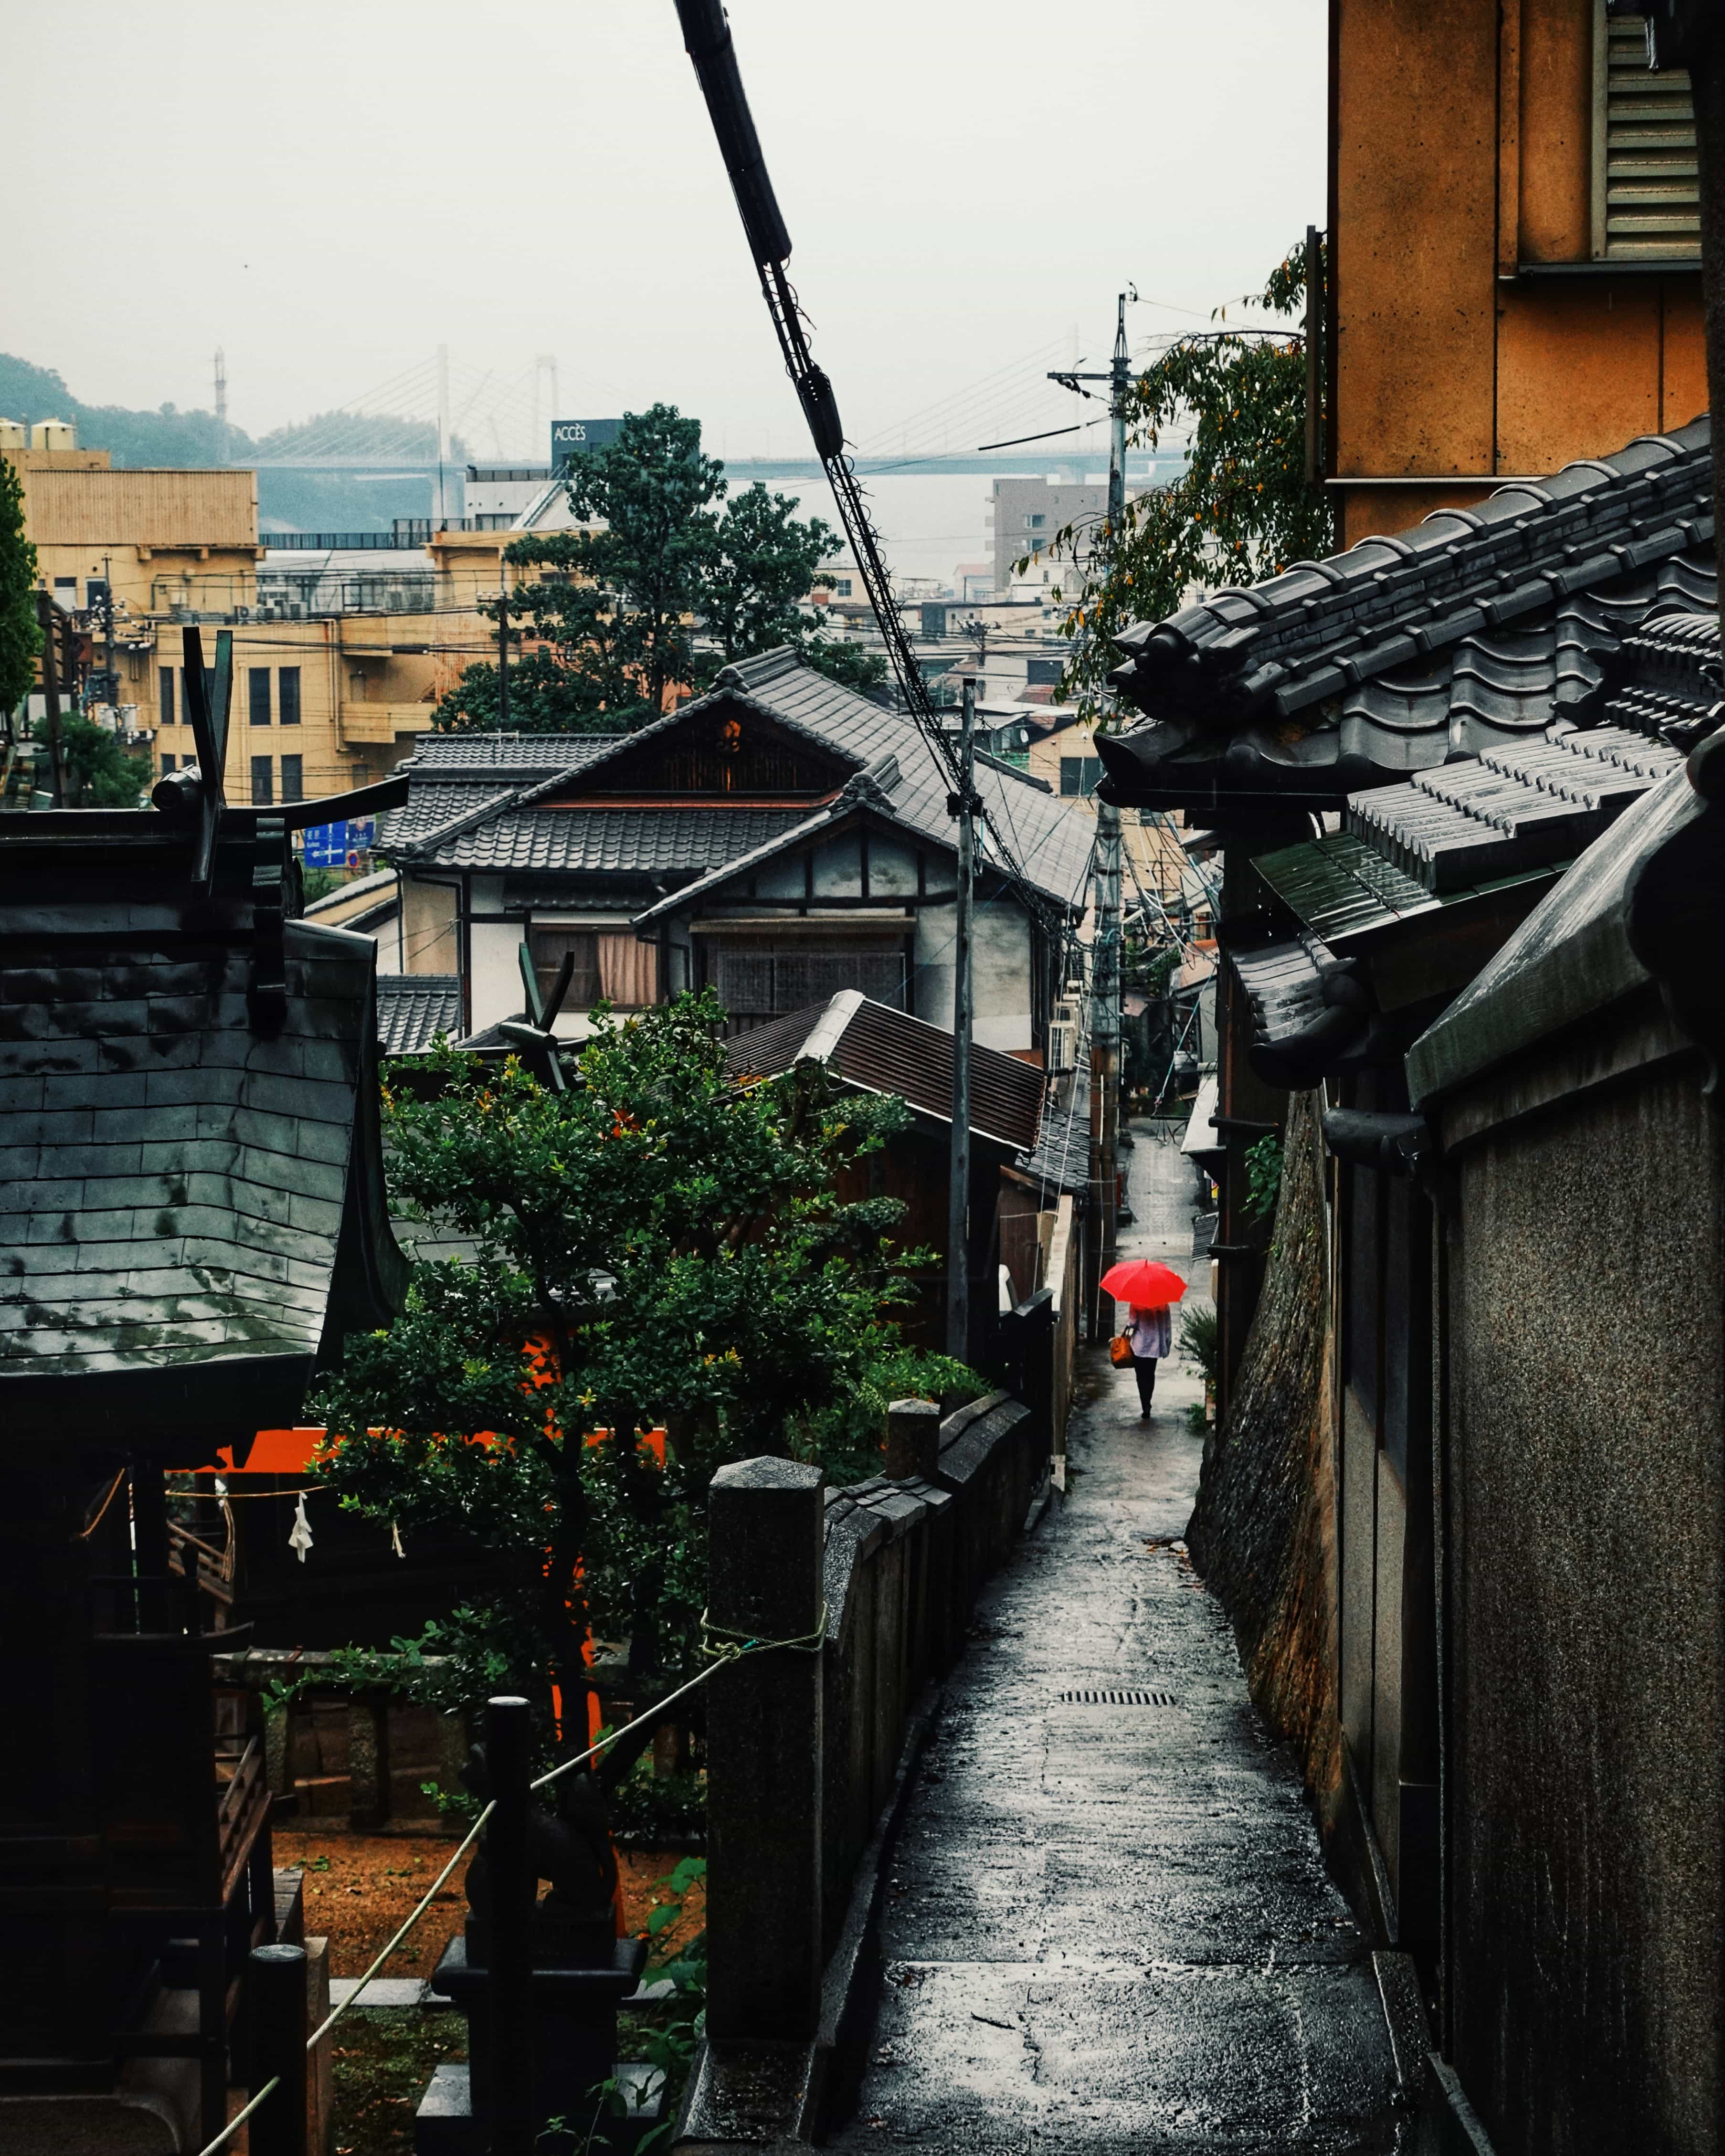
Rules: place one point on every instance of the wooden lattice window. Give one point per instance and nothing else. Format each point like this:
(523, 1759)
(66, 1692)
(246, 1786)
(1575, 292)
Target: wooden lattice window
(754, 982)
(1647, 192)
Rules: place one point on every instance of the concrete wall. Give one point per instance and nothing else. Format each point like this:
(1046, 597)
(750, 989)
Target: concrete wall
(1583, 1574)
(1461, 150)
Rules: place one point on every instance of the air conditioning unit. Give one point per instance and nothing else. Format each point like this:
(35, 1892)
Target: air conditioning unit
(1062, 1045)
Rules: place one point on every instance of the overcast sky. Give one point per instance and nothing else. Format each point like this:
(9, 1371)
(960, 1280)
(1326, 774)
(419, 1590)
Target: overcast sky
(330, 191)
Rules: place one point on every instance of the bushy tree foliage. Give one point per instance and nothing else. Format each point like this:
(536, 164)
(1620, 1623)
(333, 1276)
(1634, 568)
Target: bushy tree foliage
(653, 1247)
(1242, 509)
(99, 770)
(609, 622)
(20, 637)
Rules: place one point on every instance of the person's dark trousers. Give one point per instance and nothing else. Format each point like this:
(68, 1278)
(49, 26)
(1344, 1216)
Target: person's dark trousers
(1144, 1367)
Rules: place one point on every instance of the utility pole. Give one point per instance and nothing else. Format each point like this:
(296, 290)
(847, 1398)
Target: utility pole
(48, 615)
(963, 805)
(1105, 896)
(1105, 881)
(503, 646)
(443, 426)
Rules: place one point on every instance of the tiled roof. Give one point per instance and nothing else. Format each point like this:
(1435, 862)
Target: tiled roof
(1051, 843)
(1620, 915)
(882, 1050)
(507, 756)
(176, 1172)
(451, 775)
(639, 841)
(523, 830)
(1469, 848)
(414, 1008)
(1466, 634)
(434, 802)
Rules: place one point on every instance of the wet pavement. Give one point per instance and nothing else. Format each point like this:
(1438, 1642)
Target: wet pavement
(1108, 1923)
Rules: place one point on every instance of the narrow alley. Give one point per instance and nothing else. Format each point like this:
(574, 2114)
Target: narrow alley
(1108, 1923)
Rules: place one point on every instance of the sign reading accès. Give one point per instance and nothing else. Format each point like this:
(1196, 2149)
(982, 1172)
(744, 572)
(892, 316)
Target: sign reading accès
(573, 437)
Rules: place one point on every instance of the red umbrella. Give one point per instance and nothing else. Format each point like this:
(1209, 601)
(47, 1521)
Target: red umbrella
(1143, 1282)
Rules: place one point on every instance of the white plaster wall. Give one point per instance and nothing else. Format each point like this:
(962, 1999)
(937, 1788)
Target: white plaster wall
(496, 972)
(892, 867)
(1001, 976)
(782, 878)
(838, 866)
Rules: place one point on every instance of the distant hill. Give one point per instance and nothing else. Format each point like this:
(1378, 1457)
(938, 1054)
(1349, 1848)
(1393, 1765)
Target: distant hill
(166, 437)
(292, 501)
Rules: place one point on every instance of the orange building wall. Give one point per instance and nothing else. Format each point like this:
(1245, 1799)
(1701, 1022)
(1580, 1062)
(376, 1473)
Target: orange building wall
(1461, 145)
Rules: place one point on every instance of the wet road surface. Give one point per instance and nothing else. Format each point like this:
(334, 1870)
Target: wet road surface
(1108, 1924)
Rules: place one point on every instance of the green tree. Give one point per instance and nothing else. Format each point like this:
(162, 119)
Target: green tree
(100, 771)
(762, 565)
(853, 663)
(1241, 510)
(655, 489)
(20, 637)
(653, 1245)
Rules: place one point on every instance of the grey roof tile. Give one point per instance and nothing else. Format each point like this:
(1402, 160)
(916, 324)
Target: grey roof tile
(414, 1008)
(1474, 629)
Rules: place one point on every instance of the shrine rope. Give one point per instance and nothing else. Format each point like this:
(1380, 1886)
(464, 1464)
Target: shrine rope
(730, 1647)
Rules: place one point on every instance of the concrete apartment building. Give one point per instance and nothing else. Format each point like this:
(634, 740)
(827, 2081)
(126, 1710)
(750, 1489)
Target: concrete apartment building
(329, 693)
(1025, 513)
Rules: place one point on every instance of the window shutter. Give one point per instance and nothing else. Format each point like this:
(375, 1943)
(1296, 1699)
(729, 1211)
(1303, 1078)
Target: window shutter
(1646, 193)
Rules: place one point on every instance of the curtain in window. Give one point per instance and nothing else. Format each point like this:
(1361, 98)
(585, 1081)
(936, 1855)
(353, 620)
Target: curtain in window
(629, 970)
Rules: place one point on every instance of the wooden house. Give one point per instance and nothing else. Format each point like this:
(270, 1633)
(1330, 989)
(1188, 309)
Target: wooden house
(191, 1215)
(778, 839)
(1484, 713)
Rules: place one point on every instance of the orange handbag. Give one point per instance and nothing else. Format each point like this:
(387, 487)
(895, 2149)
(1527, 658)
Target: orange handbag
(1120, 1351)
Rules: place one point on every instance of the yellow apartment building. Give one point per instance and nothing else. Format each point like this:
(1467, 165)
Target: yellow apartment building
(165, 538)
(318, 705)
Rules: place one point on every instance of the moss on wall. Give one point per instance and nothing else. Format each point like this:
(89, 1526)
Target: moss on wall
(1262, 1533)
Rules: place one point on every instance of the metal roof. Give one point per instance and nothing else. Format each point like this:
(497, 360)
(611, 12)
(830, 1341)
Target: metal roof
(1465, 634)
(414, 1008)
(878, 1049)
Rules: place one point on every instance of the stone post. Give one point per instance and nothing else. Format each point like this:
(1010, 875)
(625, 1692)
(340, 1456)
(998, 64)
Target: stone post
(765, 1525)
(276, 1981)
(510, 1876)
(913, 1440)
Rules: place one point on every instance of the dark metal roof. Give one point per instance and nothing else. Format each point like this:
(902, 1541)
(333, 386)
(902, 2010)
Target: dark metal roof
(1465, 634)
(414, 1008)
(1059, 1159)
(191, 1194)
(881, 1050)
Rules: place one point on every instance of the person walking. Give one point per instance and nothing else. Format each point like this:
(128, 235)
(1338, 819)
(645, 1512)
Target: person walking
(1149, 1335)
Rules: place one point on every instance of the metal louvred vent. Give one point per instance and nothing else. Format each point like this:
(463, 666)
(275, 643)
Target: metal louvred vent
(1646, 191)
(1119, 1699)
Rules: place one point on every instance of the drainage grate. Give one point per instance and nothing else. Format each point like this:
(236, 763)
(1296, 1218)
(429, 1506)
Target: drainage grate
(1116, 1699)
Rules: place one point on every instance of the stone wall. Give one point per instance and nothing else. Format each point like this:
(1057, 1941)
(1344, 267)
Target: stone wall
(1263, 1532)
